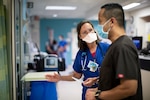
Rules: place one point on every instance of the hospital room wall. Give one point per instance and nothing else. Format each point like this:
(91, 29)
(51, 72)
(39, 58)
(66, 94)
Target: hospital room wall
(140, 26)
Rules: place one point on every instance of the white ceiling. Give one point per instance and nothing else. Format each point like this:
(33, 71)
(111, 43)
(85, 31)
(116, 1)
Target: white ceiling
(85, 8)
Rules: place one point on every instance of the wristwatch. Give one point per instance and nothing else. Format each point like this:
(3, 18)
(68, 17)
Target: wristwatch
(98, 92)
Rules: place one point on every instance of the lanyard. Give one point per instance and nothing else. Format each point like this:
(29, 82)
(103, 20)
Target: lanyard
(83, 64)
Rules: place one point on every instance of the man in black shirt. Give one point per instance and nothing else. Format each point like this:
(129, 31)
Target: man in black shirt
(120, 76)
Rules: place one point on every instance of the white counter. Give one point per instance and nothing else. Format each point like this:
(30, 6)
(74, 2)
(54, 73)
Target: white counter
(144, 57)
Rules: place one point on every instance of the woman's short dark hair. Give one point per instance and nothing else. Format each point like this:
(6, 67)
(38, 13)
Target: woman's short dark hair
(114, 10)
(81, 44)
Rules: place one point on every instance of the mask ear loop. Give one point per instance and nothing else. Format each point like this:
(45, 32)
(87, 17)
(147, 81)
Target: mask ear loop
(105, 24)
(109, 29)
(109, 26)
(98, 36)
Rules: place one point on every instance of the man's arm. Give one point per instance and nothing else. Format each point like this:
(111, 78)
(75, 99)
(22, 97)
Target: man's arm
(125, 89)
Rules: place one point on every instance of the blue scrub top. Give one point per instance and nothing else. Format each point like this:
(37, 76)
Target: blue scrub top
(62, 43)
(85, 57)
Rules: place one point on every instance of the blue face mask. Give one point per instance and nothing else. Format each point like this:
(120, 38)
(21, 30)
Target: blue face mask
(101, 31)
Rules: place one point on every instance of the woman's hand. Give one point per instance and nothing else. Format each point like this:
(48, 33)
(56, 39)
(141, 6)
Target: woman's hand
(90, 94)
(89, 82)
(53, 78)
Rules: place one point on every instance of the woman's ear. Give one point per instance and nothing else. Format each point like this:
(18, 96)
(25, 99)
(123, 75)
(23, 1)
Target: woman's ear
(80, 37)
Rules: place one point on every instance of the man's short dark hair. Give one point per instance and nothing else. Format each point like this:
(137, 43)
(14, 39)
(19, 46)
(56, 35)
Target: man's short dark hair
(114, 10)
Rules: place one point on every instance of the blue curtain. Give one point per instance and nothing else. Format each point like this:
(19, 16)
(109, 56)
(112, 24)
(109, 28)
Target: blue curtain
(4, 81)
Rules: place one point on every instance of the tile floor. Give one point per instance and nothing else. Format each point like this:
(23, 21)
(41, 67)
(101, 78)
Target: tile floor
(69, 90)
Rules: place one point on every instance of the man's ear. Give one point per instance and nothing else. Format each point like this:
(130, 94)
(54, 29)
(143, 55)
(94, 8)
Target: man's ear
(113, 21)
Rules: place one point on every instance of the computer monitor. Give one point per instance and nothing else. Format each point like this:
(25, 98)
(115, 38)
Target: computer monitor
(138, 42)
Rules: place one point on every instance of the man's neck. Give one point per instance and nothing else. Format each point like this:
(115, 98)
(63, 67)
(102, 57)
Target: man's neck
(116, 34)
(116, 37)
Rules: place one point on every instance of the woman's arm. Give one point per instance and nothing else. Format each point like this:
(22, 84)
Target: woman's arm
(57, 77)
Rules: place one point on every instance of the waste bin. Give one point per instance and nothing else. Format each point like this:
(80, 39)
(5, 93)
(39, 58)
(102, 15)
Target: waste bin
(43, 90)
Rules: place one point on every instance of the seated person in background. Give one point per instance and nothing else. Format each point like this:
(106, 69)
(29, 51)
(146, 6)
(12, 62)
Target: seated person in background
(51, 47)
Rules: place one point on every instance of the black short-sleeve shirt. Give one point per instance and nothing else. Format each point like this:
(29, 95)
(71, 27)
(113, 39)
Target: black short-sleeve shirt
(121, 61)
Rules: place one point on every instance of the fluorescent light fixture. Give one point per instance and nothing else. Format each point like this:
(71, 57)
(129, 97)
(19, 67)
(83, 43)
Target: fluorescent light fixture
(55, 15)
(60, 8)
(129, 6)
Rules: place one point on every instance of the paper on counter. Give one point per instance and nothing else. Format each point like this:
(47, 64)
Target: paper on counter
(36, 76)
(78, 80)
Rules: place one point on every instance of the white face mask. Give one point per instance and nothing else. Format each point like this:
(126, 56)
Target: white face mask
(90, 37)
(102, 27)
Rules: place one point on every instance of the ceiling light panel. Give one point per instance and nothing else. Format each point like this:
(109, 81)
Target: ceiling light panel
(129, 6)
(60, 8)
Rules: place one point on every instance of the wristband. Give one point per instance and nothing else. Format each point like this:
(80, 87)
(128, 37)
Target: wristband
(98, 92)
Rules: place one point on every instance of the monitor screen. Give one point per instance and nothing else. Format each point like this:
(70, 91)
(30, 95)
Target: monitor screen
(50, 63)
(138, 42)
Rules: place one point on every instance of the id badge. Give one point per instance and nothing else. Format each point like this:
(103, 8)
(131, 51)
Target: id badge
(93, 66)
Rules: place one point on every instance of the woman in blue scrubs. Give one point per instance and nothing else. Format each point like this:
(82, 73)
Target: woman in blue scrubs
(88, 59)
